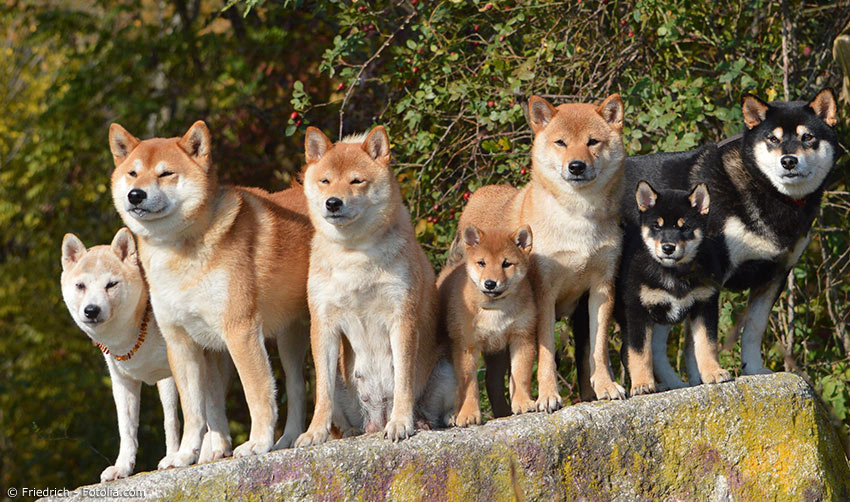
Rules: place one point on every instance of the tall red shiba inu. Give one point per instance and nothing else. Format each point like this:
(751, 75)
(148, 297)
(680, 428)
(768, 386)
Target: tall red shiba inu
(370, 289)
(226, 266)
(571, 205)
(487, 304)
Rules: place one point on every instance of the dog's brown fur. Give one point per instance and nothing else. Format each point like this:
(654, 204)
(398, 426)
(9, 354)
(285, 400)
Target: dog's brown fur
(370, 284)
(480, 322)
(577, 237)
(226, 265)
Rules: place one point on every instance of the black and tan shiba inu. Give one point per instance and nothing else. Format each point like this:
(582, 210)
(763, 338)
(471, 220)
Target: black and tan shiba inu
(667, 275)
(766, 188)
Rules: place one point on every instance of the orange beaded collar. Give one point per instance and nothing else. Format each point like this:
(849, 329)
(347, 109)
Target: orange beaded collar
(143, 331)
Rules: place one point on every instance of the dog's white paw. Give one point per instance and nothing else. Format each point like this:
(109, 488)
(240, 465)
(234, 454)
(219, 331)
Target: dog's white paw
(249, 448)
(286, 441)
(609, 390)
(396, 430)
(643, 388)
(755, 370)
(179, 459)
(116, 471)
(549, 402)
(215, 447)
(313, 437)
(519, 406)
(717, 376)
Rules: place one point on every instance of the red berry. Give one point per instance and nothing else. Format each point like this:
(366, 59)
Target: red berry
(414, 69)
(807, 50)
(488, 6)
(361, 8)
(293, 115)
(523, 171)
(491, 103)
(475, 27)
(419, 51)
(501, 38)
(298, 123)
(622, 22)
(466, 195)
(435, 207)
(340, 86)
(414, 2)
(631, 34)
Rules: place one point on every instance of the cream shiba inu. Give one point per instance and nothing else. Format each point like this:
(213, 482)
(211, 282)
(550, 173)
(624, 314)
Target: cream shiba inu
(487, 305)
(371, 289)
(106, 295)
(571, 205)
(227, 266)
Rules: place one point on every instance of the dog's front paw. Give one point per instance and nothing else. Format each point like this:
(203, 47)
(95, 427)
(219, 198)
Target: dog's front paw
(526, 405)
(396, 430)
(467, 417)
(755, 370)
(548, 402)
(215, 447)
(642, 388)
(717, 376)
(250, 447)
(313, 437)
(117, 471)
(179, 459)
(608, 389)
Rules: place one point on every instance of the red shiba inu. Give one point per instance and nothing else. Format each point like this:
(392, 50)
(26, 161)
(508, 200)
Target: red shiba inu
(371, 289)
(487, 304)
(227, 266)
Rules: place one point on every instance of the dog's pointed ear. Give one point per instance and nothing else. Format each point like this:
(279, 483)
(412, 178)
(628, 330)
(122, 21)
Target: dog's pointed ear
(124, 246)
(197, 144)
(699, 198)
(471, 236)
(522, 238)
(72, 250)
(540, 113)
(612, 110)
(121, 143)
(754, 109)
(316, 144)
(825, 107)
(377, 145)
(645, 196)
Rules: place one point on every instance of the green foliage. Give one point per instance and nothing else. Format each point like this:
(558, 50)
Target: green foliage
(448, 79)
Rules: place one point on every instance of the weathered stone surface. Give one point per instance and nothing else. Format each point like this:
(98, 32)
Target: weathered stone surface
(757, 438)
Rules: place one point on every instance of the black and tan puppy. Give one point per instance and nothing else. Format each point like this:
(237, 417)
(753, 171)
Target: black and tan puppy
(667, 275)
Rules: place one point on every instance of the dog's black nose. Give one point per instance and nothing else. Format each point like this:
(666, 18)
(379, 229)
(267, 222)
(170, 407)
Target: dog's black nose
(91, 311)
(136, 196)
(577, 167)
(333, 204)
(668, 248)
(788, 162)
(490, 284)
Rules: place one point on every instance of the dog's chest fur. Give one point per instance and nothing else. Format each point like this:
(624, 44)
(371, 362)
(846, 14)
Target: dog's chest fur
(188, 294)
(150, 362)
(361, 292)
(493, 323)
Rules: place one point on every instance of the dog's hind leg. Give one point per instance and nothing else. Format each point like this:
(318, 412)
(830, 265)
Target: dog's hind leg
(755, 322)
(292, 347)
(600, 309)
(496, 365)
(703, 329)
(661, 366)
(170, 404)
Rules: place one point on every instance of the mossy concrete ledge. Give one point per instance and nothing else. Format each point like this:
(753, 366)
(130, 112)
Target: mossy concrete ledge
(757, 438)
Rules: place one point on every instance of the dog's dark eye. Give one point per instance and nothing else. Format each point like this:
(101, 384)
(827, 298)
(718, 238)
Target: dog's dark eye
(773, 139)
(506, 264)
(165, 173)
(356, 181)
(111, 284)
(132, 174)
(592, 141)
(81, 286)
(481, 263)
(805, 138)
(656, 226)
(324, 181)
(561, 143)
